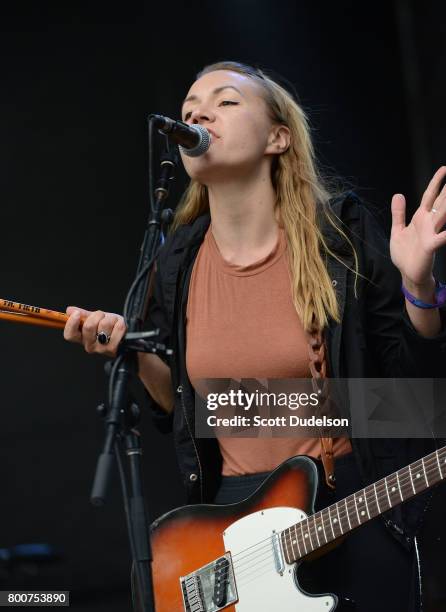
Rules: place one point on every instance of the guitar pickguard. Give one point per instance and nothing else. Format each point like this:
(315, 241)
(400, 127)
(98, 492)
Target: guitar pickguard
(264, 581)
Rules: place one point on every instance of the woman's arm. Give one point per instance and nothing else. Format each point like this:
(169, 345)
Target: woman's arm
(154, 371)
(395, 345)
(413, 247)
(155, 375)
(426, 322)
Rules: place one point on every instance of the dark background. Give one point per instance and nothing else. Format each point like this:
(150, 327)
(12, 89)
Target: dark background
(76, 86)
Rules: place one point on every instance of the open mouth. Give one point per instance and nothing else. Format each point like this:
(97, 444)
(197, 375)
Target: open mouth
(212, 133)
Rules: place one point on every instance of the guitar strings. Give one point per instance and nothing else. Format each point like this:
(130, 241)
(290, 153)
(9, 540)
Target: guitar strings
(266, 544)
(243, 576)
(350, 499)
(430, 466)
(263, 564)
(350, 502)
(326, 522)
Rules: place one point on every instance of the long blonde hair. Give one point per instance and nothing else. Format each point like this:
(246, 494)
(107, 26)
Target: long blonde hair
(301, 195)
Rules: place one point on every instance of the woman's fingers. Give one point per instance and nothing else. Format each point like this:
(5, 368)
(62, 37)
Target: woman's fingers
(433, 188)
(398, 212)
(117, 334)
(73, 331)
(90, 330)
(111, 324)
(84, 313)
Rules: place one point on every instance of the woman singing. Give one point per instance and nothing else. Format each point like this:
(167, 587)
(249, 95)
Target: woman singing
(263, 268)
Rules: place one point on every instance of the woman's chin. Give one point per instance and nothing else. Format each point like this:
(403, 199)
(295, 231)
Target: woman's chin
(206, 172)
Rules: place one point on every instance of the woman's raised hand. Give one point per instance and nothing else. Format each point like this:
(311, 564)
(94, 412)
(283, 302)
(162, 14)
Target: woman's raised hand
(413, 246)
(108, 324)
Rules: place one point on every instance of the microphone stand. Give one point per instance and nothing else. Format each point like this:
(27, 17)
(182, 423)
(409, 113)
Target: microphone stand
(121, 413)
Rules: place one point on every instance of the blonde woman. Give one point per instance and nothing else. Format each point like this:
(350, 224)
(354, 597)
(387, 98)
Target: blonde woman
(261, 258)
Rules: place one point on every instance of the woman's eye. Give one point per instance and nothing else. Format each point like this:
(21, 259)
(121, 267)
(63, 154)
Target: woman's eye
(222, 103)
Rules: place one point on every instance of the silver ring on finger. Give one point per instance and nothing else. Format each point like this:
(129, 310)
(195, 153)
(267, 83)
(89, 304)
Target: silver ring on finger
(103, 338)
(433, 210)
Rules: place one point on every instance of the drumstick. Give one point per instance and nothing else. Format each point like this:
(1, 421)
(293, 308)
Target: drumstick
(33, 315)
(33, 311)
(29, 320)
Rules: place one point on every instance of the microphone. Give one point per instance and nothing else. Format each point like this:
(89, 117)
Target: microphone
(192, 140)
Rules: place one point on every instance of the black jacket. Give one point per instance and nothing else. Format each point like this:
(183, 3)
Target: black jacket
(374, 339)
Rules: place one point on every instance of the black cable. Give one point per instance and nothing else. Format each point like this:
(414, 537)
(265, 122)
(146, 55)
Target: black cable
(126, 498)
(118, 361)
(137, 568)
(151, 193)
(140, 276)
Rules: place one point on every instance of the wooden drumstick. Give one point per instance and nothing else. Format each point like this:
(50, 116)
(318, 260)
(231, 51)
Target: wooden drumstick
(33, 311)
(29, 320)
(33, 315)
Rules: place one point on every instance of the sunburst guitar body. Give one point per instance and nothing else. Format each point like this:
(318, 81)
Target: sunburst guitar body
(244, 557)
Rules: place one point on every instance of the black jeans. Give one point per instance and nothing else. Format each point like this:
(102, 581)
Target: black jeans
(369, 570)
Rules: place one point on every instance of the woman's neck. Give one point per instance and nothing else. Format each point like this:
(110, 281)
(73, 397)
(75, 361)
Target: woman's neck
(244, 223)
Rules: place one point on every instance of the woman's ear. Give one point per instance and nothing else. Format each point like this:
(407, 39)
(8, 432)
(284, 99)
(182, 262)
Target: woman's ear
(279, 140)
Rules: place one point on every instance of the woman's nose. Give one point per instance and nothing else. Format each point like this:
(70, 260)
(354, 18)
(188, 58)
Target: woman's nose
(201, 114)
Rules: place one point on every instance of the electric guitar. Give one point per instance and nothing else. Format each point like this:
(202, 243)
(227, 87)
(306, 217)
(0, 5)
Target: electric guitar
(243, 557)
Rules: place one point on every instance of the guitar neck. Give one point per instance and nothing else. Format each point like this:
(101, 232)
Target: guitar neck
(349, 513)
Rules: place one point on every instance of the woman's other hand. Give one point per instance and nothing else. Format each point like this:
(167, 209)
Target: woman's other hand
(413, 246)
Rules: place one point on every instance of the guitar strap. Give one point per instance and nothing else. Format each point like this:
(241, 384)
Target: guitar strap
(318, 369)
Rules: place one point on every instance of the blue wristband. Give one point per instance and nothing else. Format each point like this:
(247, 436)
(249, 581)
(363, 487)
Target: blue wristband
(440, 295)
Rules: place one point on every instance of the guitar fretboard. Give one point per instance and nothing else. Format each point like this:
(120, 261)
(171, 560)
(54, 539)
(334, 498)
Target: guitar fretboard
(329, 524)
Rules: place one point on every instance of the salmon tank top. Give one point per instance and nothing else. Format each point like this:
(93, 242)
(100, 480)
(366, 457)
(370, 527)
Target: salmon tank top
(241, 323)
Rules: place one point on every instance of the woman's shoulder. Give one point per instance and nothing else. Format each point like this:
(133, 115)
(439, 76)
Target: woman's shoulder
(357, 234)
(343, 201)
(360, 221)
(347, 206)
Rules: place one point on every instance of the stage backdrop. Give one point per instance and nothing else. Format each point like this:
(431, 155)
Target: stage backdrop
(77, 85)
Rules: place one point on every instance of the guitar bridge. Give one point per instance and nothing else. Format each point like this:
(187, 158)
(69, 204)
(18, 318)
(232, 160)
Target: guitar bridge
(192, 594)
(211, 588)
